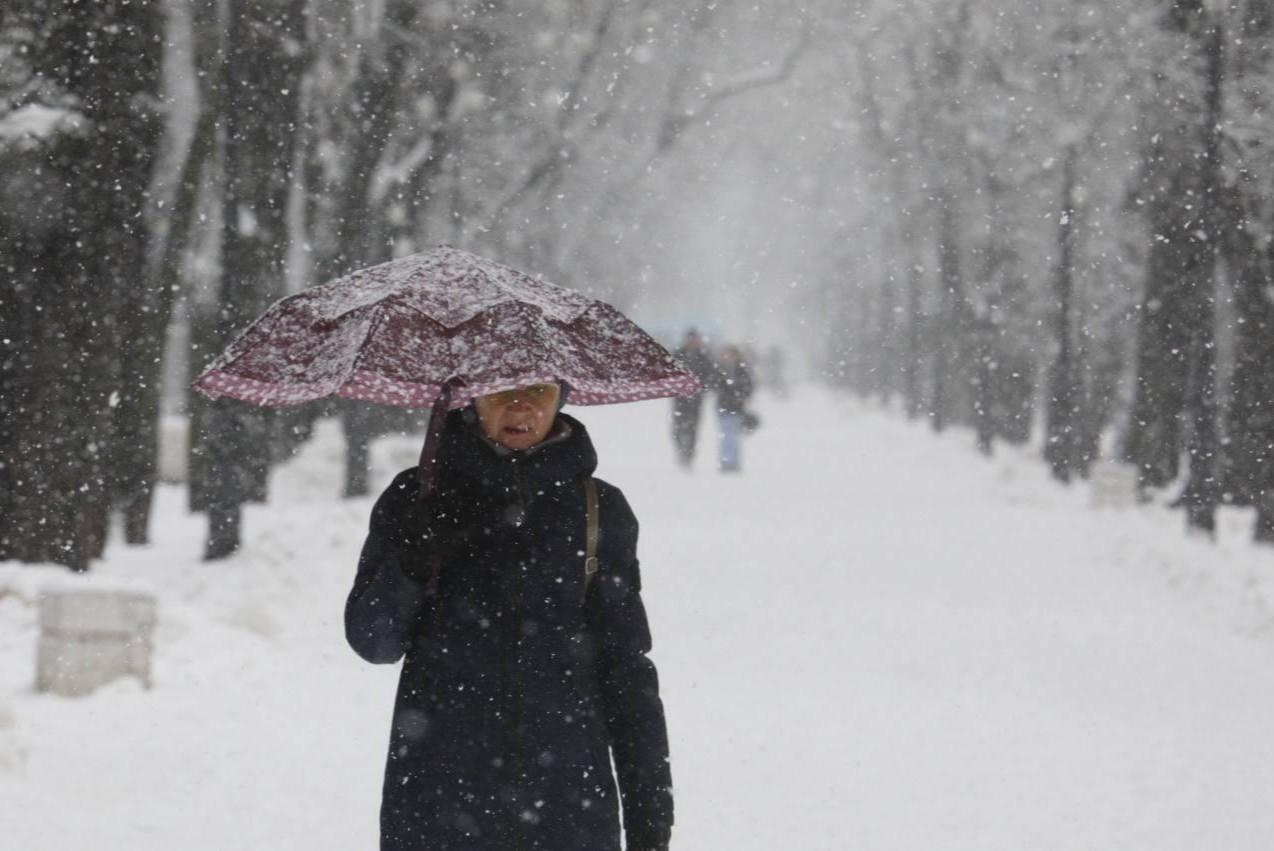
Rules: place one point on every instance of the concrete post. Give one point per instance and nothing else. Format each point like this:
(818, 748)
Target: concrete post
(89, 638)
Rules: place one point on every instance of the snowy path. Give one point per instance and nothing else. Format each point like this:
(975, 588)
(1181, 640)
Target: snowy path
(872, 639)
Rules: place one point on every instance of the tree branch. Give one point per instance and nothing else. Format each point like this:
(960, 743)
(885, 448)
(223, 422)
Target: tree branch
(562, 149)
(676, 123)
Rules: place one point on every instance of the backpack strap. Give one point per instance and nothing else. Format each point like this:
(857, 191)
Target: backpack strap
(591, 535)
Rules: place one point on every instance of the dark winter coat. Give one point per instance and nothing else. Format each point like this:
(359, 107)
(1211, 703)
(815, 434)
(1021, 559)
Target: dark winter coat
(734, 388)
(515, 684)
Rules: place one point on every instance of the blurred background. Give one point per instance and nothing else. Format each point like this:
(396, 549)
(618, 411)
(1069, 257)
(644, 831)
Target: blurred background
(1048, 222)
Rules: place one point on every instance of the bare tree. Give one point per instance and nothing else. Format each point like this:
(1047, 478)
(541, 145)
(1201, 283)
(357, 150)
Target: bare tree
(1248, 255)
(265, 58)
(77, 267)
(1180, 190)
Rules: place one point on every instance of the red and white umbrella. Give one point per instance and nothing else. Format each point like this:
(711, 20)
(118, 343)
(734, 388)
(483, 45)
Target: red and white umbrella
(436, 329)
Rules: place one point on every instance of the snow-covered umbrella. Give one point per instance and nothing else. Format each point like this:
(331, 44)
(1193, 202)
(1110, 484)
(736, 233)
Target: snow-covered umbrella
(435, 329)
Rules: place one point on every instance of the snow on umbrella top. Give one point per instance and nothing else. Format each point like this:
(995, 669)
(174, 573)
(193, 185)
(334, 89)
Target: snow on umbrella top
(442, 324)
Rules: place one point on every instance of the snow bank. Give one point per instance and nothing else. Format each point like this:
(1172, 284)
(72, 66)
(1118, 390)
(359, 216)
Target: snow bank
(873, 638)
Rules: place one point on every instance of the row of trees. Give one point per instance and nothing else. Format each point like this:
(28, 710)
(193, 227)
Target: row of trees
(1078, 221)
(186, 162)
(79, 326)
(1019, 216)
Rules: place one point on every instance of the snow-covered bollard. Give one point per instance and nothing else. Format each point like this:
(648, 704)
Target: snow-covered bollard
(1112, 485)
(89, 638)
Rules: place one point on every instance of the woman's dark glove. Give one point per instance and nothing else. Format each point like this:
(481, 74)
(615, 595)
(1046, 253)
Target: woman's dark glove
(402, 518)
(415, 529)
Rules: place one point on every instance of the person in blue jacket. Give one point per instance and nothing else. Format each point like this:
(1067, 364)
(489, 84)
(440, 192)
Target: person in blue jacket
(523, 675)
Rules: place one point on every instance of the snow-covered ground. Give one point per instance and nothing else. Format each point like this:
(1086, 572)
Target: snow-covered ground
(872, 639)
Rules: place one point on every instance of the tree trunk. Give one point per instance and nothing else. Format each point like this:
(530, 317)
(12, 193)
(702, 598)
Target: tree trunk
(78, 248)
(360, 234)
(139, 410)
(1202, 493)
(948, 362)
(1153, 441)
(1264, 531)
(913, 360)
(1064, 379)
(265, 58)
(889, 358)
(1179, 268)
(982, 334)
(864, 339)
(357, 450)
(1249, 455)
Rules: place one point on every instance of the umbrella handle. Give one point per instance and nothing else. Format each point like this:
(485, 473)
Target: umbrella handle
(433, 437)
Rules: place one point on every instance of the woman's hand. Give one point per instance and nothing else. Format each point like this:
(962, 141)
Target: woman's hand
(411, 524)
(402, 519)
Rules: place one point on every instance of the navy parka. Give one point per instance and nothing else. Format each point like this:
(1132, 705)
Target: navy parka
(517, 686)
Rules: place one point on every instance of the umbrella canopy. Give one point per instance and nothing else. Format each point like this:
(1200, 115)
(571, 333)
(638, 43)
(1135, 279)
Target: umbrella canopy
(434, 330)
(442, 322)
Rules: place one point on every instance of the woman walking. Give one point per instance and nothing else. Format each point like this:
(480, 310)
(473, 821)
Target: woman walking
(513, 593)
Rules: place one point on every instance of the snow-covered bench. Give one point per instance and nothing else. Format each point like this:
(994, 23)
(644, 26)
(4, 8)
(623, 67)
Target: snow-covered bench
(89, 638)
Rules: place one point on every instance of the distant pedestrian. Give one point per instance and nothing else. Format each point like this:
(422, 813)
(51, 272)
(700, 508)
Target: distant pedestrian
(734, 388)
(685, 410)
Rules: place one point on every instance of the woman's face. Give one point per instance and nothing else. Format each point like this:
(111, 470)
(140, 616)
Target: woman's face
(519, 418)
